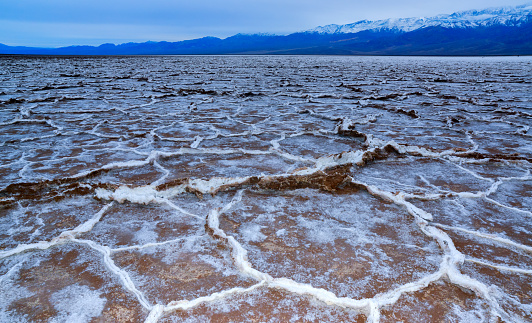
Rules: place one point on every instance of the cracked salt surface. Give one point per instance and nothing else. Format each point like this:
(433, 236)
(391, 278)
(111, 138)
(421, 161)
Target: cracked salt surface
(271, 189)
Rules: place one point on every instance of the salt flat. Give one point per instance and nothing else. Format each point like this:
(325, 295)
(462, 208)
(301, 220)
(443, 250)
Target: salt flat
(265, 188)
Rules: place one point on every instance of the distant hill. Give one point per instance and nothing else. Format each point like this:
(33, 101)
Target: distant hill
(494, 31)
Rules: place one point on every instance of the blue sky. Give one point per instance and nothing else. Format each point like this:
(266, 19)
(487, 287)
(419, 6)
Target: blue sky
(55, 23)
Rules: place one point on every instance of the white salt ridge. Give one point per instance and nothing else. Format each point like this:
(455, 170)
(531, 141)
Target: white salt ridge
(37, 138)
(196, 142)
(408, 149)
(179, 209)
(70, 236)
(508, 207)
(368, 306)
(162, 178)
(140, 195)
(487, 236)
(452, 259)
(276, 149)
(238, 252)
(449, 268)
(500, 267)
(288, 156)
(144, 195)
(212, 185)
(399, 199)
(17, 120)
(64, 237)
(122, 274)
(158, 310)
(240, 257)
(151, 244)
(352, 157)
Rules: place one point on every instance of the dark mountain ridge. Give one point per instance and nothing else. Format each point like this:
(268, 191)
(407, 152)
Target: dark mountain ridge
(498, 37)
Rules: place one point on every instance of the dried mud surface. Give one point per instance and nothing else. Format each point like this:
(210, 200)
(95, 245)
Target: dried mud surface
(265, 189)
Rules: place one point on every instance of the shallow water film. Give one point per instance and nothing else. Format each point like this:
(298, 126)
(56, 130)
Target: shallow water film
(265, 189)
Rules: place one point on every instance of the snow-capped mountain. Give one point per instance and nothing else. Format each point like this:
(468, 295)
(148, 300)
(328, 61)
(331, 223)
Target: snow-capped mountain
(494, 31)
(509, 16)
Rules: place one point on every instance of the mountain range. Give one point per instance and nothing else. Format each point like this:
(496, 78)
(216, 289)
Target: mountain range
(493, 31)
(508, 16)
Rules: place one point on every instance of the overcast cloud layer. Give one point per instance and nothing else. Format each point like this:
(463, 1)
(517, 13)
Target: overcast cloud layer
(55, 23)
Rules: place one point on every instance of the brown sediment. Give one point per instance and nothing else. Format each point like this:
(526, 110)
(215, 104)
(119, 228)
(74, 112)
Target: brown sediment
(333, 179)
(329, 180)
(139, 176)
(339, 259)
(519, 197)
(515, 285)
(120, 307)
(56, 189)
(493, 157)
(231, 126)
(12, 101)
(66, 267)
(247, 142)
(434, 303)
(411, 113)
(37, 308)
(172, 183)
(57, 271)
(45, 220)
(353, 88)
(378, 154)
(454, 187)
(251, 119)
(296, 255)
(185, 92)
(167, 230)
(385, 97)
(488, 251)
(351, 132)
(262, 305)
(250, 94)
(185, 277)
